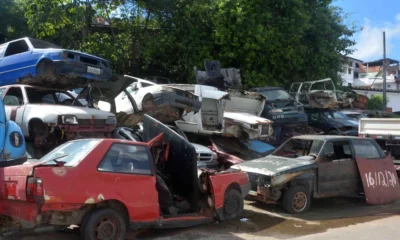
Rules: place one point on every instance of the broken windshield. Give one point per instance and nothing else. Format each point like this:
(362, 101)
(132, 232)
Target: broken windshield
(295, 148)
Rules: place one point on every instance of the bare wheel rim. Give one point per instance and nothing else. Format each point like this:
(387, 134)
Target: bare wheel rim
(299, 201)
(107, 229)
(231, 205)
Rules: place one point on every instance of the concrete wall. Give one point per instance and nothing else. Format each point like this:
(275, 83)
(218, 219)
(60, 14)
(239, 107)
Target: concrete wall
(393, 98)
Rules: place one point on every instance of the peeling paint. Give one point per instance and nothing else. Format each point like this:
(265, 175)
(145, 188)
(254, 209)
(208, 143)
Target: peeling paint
(100, 197)
(11, 198)
(59, 171)
(46, 197)
(90, 201)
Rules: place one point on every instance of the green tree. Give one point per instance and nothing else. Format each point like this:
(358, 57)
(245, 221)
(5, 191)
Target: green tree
(375, 102)
(13, 24)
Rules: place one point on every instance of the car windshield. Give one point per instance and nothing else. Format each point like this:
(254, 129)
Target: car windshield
(42, 44)
(50, 96)
(70, 153)
(335, 115)
(276, 94)
(295, 148)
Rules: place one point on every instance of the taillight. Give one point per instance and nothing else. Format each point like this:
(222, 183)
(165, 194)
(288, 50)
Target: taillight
(34, 189)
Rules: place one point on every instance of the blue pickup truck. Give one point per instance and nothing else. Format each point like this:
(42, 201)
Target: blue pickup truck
(29, 59)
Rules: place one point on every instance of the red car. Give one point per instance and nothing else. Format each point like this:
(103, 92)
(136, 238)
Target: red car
(108, 185)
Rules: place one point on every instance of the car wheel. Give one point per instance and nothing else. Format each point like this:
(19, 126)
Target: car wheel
(45, 69)
(296, 200)
(233, 204)
(103, 224)
(333, 132)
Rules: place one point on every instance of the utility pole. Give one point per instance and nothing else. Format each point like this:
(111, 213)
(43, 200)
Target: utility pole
(384, 72)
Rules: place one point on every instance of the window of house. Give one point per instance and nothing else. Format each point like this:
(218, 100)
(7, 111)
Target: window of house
(349, 70)
(126, 158)
(14, 97)
(366, 149)
(355, 75)
(16, 48)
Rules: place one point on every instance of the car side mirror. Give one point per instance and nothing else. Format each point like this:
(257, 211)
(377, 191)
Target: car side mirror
(386, 152)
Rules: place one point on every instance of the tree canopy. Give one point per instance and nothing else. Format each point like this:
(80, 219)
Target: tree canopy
(272, 42)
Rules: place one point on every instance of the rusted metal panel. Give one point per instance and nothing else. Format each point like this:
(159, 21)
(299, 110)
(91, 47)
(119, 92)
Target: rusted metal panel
(379, 177)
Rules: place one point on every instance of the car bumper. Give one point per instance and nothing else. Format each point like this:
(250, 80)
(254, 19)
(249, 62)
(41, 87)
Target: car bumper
(79, 69)
(172, 99)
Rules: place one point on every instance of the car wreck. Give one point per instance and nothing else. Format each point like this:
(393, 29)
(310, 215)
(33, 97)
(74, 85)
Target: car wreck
(98, 176)
(49, 117)
(321, 94)
(220, 114)
(318, 166)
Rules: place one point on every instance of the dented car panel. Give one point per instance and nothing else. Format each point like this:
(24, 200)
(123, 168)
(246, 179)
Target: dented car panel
(325, 166)
(101, 173)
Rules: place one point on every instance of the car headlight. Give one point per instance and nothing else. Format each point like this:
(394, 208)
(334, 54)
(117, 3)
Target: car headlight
(69, 119)
(111, 121)
(167, 89)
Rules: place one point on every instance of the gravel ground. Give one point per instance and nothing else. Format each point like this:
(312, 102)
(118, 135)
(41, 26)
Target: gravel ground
(261, 221)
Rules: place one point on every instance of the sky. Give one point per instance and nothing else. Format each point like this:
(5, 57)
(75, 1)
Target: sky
(374, 17)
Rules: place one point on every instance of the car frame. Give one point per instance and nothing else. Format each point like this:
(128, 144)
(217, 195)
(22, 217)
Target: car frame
(102, 192)
(320, 167)
(26, 60)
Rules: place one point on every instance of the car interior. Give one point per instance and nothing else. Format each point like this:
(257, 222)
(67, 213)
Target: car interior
(177, 173)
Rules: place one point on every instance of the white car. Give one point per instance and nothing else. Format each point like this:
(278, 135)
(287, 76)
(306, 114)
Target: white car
(50, 116)
(149, 95)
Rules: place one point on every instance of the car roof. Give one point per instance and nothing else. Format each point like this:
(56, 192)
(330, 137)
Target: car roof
(325, 137)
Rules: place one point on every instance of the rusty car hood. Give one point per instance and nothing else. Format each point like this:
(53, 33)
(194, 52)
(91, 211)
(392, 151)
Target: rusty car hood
(275, 165)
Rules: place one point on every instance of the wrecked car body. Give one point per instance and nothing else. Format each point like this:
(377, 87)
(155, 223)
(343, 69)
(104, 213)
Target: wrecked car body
(170, 102)
(49, 117)
(307, 167)
(98, 176)
(46, 63)
(281, 108)
(332, 122)
(320, 94)
(218, 114)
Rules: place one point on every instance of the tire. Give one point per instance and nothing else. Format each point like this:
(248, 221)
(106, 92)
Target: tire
(103, 223)
(233, 204)
(296, 200)
(333, 132)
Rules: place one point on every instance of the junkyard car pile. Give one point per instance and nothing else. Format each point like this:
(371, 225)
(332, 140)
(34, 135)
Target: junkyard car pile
(191, 152)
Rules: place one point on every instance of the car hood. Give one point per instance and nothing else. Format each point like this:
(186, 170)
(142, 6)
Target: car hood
(345, 122)
(79, 112)
(274, 165)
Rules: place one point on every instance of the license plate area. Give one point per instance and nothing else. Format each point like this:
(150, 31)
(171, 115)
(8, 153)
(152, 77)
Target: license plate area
(93, 70)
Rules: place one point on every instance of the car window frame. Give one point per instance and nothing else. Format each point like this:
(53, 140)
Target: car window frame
(8, 88)
(374, 143)
(13, 42)
(353, 153)
(152, 167)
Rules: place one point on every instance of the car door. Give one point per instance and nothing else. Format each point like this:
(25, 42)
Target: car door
(16, 62)
(129, 169)
(317, 120)
(14, 104)
(337, 172)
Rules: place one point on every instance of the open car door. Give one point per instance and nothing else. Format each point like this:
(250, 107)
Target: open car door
(380, 181)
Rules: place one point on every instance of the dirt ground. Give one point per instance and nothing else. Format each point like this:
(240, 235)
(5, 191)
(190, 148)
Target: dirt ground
(260, 221)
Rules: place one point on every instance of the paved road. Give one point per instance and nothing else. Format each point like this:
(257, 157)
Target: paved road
(343, 218)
